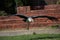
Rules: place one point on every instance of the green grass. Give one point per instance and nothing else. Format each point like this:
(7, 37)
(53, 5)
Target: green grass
(32, 37)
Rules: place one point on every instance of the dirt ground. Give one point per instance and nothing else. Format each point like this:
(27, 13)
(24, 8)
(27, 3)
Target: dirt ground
(30, 31)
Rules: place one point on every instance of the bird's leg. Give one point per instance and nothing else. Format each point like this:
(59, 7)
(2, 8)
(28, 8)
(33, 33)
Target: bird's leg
(28, 25)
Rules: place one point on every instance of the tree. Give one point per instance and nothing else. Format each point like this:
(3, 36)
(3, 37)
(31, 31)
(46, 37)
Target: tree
(58, 2)
(10, 6)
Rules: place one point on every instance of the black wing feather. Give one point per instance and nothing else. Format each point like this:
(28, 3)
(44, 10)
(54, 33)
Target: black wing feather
(52, 18)
(20, 15)
(49, 17)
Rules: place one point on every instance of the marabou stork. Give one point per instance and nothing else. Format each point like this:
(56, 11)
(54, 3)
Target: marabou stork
(31, 18)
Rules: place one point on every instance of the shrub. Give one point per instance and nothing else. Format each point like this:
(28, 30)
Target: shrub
(55, 26)
(2, 13)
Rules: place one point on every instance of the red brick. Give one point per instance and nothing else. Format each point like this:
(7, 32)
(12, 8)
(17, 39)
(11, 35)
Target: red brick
(13, 22)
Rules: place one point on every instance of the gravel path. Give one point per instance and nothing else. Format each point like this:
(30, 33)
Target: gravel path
(31, 31)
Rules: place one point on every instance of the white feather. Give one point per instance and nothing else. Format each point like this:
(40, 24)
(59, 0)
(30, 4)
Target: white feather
(30, 19)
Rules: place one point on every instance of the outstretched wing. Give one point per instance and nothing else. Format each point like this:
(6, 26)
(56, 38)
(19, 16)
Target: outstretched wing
(20, 15)
(49, 17)
(52, 18)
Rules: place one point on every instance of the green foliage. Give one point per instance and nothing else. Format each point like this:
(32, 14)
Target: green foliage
(58, 2)
(2, 13)
(55, 26)
(8, 4)
(19, 3)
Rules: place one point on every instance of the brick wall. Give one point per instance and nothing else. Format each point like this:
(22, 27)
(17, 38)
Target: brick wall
(13, 22)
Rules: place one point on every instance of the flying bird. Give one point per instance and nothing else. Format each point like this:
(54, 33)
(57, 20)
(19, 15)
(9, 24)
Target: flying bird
(31, 18)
